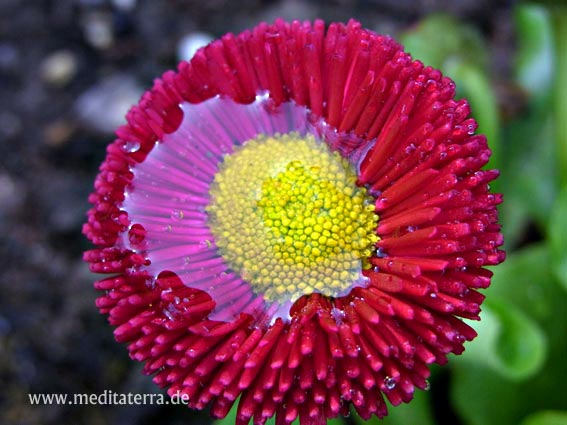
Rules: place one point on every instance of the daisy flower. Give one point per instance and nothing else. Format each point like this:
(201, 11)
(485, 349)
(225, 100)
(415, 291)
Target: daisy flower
(297, 219)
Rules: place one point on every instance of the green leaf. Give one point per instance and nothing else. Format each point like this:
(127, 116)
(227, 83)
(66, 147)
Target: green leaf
(482, 397)
(529, 176)
(528, 142)
(546, 418)
(525, 280)
(230, 418)
(509, 341)
(558, 237)
(526, 283)
(559, 14)
(534, 62)
(440, 38)
(417, 411)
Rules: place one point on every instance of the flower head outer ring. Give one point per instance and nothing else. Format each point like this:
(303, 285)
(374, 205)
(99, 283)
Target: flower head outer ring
(438, 229)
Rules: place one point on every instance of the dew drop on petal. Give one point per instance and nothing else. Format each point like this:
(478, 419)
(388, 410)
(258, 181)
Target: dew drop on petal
(177, 215)
(131, 146)
(338, 315)
(167, 313)
(136, 235)
(151, 282)
(410, 148)
(389, 382)
(380, 253)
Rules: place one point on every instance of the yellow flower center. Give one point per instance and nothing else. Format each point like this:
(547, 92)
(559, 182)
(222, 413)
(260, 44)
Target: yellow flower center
(287, 215)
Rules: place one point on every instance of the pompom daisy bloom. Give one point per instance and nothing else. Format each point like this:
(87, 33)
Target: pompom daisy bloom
(297, 218)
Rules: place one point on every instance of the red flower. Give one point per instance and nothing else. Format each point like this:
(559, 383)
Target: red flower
(297, 217)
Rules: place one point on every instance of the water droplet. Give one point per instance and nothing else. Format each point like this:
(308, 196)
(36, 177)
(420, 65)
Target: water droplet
(410, 148)
(411, 229)
(389, 382)
(338, 315)
(380, 253)
(433, 295)
(131, 146)
(136, 235)
(177, 215)
(151, 282)
(168, 314)
(427, 385)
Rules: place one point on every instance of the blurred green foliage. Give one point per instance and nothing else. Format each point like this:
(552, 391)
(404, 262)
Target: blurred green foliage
(515, 372)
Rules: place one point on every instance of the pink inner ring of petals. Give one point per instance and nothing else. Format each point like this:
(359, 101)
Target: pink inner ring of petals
(168, 195)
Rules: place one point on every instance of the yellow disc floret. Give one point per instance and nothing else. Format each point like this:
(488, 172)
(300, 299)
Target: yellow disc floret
(288, 217)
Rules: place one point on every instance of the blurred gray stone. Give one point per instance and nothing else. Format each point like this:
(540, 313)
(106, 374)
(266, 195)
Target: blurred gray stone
(10, 125)
(190, 43)
(124, 5)
(59, 68)
(9, 58)
(12, 196)
(97, 29)
(64, 204)
(103, 107)
(290, 10)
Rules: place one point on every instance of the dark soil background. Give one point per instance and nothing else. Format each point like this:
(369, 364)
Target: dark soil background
(69, 70)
